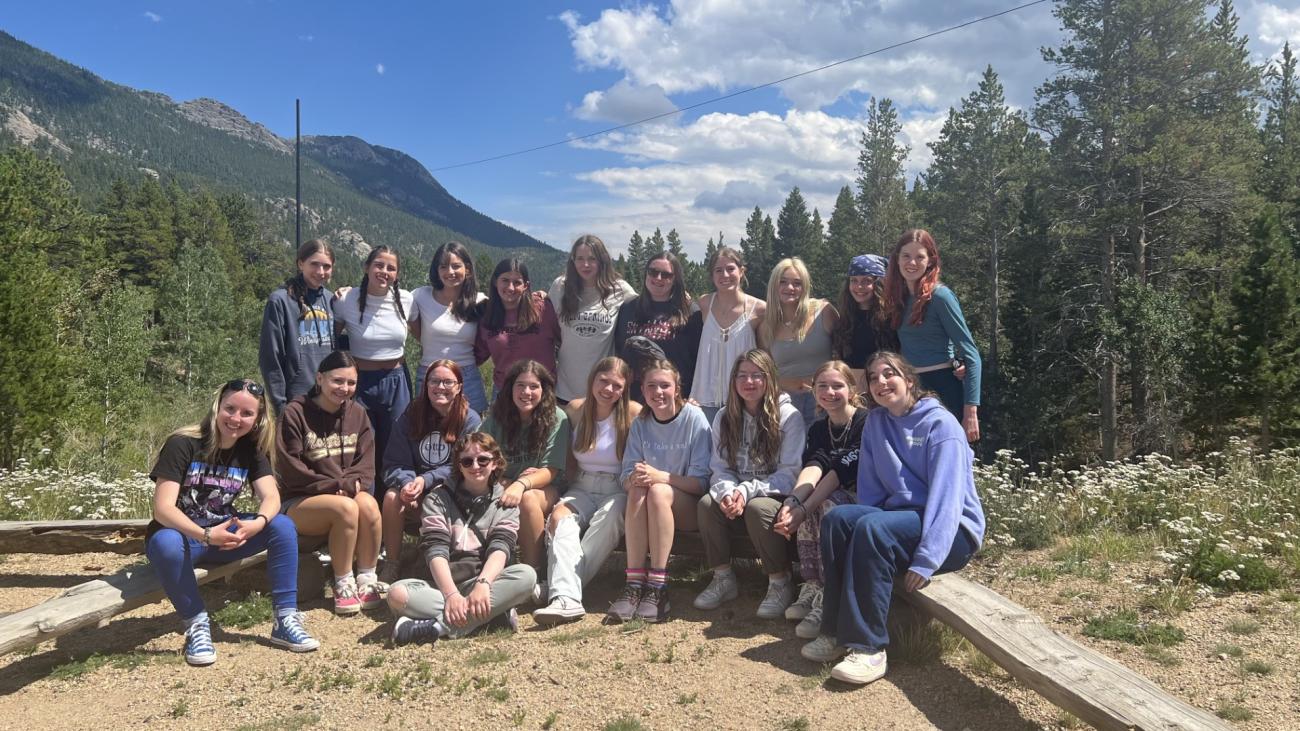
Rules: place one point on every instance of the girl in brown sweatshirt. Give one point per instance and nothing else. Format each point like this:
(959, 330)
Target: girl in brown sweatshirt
(326, 459)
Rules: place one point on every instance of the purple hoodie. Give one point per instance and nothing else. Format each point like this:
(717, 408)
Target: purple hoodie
(920, 461)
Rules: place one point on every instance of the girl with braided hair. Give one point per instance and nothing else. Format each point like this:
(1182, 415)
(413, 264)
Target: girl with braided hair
(298, 326)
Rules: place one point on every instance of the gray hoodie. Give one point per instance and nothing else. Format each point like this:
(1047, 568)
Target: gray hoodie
(293, 343)
(751, 478)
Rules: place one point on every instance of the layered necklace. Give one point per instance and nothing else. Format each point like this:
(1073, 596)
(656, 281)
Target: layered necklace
(841, 440)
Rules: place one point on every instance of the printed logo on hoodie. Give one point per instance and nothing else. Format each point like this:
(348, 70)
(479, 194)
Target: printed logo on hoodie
(316, 447)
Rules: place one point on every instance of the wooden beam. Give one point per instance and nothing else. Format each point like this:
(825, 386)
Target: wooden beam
(73, 536)
(94, 602)
(1082, 681)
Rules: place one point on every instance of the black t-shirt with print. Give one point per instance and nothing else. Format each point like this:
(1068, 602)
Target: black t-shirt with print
(209, 487)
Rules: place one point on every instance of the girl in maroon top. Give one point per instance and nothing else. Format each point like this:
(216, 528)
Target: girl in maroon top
(515, 325)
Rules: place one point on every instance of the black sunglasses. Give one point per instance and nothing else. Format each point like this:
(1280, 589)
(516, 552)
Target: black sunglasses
(241, 384)
(480, 460)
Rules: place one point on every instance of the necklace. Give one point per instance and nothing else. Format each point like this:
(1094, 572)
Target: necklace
(840, 440)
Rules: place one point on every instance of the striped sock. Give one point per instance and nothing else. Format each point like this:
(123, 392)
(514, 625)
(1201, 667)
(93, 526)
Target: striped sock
(636, 577)
(657, 578)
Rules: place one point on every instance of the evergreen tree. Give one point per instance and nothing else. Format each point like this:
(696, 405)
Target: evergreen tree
(1150, 119)
(793, 228)
(844, 240)
(483, 266)
(199, 319)
(655, 244)
(637, 256)
(1266, 324)
(757, 247)
(983, 159)
(825, 281)
(1280, 173)
(882, 189)
(116, 342)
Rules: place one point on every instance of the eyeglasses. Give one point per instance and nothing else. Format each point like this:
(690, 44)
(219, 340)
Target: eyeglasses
(751, 377)
(444, 382)
(240, 384)
(658, 274)
(482, 461)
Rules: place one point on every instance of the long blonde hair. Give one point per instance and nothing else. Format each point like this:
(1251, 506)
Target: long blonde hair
(804, 315)
(766, 447)
(261, 436)
(584, 437)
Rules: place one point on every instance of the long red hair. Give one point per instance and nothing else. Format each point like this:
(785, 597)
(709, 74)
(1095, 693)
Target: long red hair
(896, 288)
(424, 419)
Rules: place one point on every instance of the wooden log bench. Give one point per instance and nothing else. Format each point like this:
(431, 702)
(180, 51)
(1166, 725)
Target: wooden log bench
(123, 537)
(1080, 680)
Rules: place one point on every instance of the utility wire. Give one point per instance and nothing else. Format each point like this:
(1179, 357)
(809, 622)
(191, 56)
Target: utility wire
(741, 92)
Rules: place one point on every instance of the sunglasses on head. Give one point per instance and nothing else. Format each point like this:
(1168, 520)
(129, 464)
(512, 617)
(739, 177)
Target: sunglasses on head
(482, 461)
(241, 384)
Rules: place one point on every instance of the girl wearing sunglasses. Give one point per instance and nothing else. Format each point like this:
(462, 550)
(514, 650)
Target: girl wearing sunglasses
(200, 471)
(467, 535)
(419, 454)
(665, 315)
(326, 452)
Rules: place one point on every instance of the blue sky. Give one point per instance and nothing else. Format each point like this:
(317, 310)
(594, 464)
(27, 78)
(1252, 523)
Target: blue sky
(452, 82)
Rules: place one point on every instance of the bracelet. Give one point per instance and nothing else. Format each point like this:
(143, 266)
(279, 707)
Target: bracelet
(265, 519)
(207, 536)
(481, 580)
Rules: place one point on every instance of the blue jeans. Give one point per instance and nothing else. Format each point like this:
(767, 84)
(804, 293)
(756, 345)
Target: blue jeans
(950, 390)
(863, 549)
(173, 557)
(385, 394)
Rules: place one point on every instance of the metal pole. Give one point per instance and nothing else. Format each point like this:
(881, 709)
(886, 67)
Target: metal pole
(297, 173)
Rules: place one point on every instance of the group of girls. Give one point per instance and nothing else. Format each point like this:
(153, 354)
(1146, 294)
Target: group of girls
(713, 431)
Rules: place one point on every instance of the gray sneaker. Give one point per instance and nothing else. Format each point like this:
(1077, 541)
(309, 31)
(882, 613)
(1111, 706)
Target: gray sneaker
(811, 626)
(777, 600)
(407, 630)
(809, 593)
(654, 606)
(824, 649)
(624, 607)
(721, 589)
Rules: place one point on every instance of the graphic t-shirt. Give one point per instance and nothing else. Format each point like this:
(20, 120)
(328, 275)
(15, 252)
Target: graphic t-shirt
(208, 486)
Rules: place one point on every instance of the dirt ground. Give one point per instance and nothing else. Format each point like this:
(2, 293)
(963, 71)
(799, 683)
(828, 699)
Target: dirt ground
(722, 669)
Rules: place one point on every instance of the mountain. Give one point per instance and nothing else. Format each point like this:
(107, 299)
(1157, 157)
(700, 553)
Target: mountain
(355, 193)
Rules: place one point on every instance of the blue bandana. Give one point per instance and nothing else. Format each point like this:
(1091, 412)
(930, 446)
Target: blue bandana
(870, 265)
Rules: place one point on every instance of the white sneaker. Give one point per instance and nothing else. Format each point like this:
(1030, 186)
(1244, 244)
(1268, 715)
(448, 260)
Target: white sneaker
(539, 594)
(809, 593)
(562, 609)
(777, 600)
(811, 625)
(721, 589)
(860, 667)
(824, 649)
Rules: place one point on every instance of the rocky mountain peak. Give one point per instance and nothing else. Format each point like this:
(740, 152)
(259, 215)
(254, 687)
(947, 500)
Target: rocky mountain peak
(214, 114)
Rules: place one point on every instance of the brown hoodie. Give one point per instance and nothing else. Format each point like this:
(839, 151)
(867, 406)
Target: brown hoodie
(320, 453)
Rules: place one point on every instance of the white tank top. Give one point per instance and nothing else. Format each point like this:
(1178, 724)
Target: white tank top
(603, 456)
(719, 349)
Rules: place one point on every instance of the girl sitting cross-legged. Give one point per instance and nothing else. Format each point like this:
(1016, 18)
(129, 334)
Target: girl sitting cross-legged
(757, 444)
(200, 472)
(326, 453)
(917, 515)
(468, 539)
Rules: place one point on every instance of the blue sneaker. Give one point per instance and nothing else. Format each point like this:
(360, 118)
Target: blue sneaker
(198, 644)
(407, 630)
(288, 632)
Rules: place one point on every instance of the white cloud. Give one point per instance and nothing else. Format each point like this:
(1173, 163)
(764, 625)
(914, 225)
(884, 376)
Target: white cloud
(152, 16)
(624, 102)
(1277, 25)
(723, 45)
(379, 69)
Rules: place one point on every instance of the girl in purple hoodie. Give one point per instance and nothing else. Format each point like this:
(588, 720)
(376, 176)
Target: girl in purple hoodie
(917, 514)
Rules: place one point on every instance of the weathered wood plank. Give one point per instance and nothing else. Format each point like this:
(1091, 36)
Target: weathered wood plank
(73, 536)
(1082, 681)
(94, 602)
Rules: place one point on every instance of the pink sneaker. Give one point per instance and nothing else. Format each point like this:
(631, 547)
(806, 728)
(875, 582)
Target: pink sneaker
(371, 594)
(346, 600)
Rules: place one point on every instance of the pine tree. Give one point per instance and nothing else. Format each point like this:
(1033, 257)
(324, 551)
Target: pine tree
(1150, 116)
(655, 244)
(793, 228)
(199, 317)
(882, 189)
(983, 159)
(637, 256)
(116, 342)
(757, 247)
(844, 239)
(1266, 323)
(1280, 171)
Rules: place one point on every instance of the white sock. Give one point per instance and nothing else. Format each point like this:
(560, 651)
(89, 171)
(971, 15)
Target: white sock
(340, 580)
(366, 576)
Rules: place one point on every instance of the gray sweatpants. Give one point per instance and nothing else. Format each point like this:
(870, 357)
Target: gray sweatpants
(512, 587)
(598, 502)
(716, 529)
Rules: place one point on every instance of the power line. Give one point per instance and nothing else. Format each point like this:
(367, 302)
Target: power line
(741, 92)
